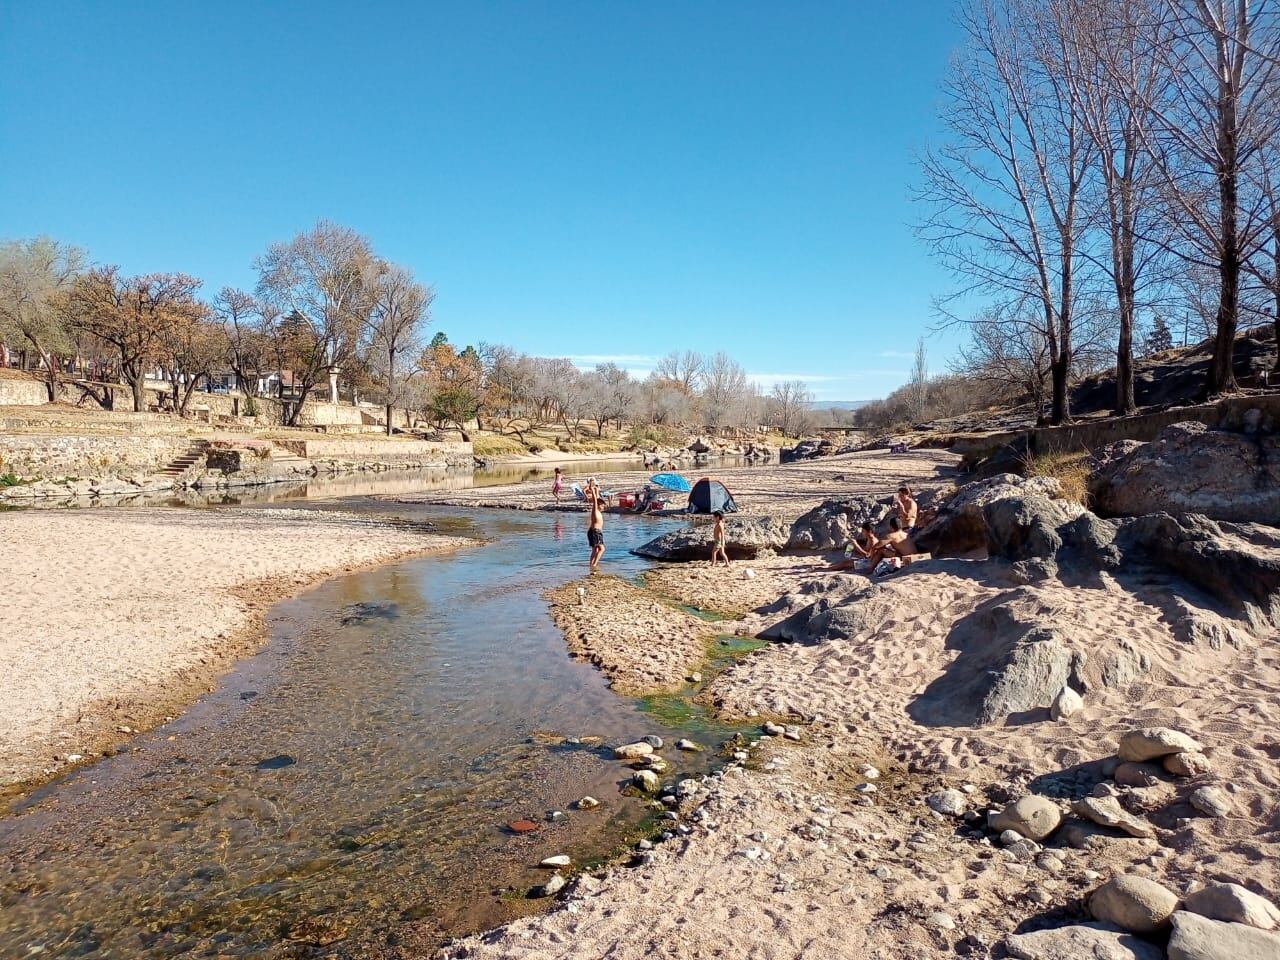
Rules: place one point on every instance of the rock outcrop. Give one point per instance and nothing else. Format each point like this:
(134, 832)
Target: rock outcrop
(746, 537)
(1190, 468)
(961, 524)
(832, 525)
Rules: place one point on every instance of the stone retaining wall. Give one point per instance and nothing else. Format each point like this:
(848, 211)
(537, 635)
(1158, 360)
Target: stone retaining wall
(1226, 414)
(392, 451)
(55, 455)
(22, 392)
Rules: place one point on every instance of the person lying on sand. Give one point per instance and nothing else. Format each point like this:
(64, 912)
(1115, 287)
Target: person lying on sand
(861, 547)
(595, 531)
(905, 508)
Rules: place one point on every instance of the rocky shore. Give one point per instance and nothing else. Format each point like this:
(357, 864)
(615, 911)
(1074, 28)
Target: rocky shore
(1054, 741)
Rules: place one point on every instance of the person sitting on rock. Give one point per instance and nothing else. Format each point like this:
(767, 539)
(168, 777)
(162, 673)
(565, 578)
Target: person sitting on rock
(860, 548)
(905, 508)
(896, 545)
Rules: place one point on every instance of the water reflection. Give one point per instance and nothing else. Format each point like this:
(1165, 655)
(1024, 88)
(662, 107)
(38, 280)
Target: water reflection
(351, 781)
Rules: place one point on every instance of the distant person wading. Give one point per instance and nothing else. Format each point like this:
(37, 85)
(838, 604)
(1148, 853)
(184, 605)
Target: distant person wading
(595, 530)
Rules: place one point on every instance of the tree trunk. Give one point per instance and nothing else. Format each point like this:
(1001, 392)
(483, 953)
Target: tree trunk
(1222, 378)
(137, 384)
(390, 412)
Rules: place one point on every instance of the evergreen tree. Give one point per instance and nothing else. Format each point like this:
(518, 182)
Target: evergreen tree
(1158, 339)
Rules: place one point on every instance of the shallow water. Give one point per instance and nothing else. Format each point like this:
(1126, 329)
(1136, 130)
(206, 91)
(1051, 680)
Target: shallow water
(359, 770)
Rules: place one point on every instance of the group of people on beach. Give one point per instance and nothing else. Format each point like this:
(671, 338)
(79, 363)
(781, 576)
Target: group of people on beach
(867, 551)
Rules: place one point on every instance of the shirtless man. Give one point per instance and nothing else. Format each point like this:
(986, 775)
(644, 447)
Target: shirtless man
(906, 509)
(862, 546)
(897, 543)
(595, 531)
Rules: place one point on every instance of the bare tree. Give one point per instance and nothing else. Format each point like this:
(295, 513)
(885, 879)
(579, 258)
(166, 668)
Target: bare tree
(1115, 81)
(132, 314)
(790, 403)
(35, 276)
(321, 282)
(919, 384)
(726, 392)
(1004, 196)
(245, 321)
(1209, 130)
(401, 307)
(189, 347)
(685, 369)
(1010, 354)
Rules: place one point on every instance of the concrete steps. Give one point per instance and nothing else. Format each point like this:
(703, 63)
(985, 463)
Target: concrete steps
(179, 467)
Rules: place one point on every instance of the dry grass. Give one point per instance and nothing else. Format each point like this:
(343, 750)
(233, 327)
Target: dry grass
(1071, 470)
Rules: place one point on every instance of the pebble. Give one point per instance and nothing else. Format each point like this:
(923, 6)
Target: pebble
(1212, 802)
(950, 802)
(551, 887)
(868, 772)
(751, 853)
(883, 872)
(741, 755)
(653, 741)
(646, 780)
(1152, 743)
(687, 745)
(792, 733)
(1133, 903)
(557, 816)
(694, 677)
(867, 788)
(774, 729)
(588, 803)
(559, 860)
(633, 751)
(941, 921)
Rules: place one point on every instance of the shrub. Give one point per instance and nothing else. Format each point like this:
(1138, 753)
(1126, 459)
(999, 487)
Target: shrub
(1071, 470)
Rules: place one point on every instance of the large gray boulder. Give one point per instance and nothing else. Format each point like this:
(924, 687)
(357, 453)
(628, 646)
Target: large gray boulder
(1199, 938)
(1134, 903)
(1235, 904)
(839, 612)
(833, 524)
(746, 537)
(961, 524)
(1083, 941)
(1190, 468)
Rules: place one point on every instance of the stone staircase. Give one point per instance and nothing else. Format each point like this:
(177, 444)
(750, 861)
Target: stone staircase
(177, 469)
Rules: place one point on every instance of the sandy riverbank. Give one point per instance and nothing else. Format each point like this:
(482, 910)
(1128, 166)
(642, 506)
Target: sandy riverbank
(802, 852)
(117, 618)
(789, 488)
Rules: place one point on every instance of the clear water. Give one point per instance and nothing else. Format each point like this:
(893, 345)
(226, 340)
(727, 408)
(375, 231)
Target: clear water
(360, 770)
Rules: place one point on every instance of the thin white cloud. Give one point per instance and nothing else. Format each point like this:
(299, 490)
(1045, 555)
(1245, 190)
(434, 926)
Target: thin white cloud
(896, 355)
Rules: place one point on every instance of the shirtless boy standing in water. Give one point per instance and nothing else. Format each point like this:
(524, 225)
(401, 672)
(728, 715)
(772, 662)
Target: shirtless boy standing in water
(595, 531)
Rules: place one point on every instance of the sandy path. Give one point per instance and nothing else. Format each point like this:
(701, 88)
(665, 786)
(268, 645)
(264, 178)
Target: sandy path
(791, 488)
(116, 618)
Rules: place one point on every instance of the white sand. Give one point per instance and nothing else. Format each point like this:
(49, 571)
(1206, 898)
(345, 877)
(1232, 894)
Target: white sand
(112, 618)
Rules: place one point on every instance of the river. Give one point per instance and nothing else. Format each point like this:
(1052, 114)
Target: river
(346, 791)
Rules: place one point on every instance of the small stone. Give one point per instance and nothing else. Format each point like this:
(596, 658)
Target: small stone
(687, 745)
(522, 826)
(940, 921)
(656, 764)
(866, 788)
(951, 803)
(792, 733)
(1232, 903)
(694, 677)
(868, 772)
(883, 873)
(559, 860)
(646, 781)
(751, 853)
(1033, 816)
(1199, 938)
(1107, 812)
(653, 741)
(633, 751)
(741, 755)
(774, 729)
(1050, 862)
(588, 803)
(1067, 703)
(550, 888)
(74, 757)
(1151, 743)
(1095, 941)
(1212, 802)
(1131, 774)
(1009, 837)
(1188, 764)
(557, 816)
(644, 845)
(1133, 903)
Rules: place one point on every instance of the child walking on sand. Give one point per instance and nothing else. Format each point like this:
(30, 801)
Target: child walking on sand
(557, 484)
(717, 540)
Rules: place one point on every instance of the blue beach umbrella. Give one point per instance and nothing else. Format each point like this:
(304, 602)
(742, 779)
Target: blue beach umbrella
(671, 481)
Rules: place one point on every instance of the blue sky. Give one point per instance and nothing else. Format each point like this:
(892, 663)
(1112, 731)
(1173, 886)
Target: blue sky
(593, 179)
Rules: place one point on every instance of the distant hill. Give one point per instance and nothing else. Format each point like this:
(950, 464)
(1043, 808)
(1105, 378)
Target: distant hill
(838, 404)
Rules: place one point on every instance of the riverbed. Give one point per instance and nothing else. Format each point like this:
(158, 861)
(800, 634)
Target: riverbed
(348, 790)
